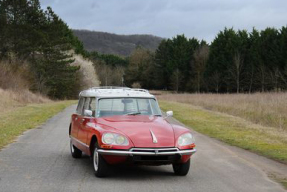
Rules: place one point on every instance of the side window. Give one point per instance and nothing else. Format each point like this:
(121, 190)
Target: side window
(80, 105)
(93, 105)
(86, 105)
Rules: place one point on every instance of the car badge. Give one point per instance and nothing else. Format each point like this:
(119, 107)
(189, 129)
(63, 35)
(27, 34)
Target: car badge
(154, 139)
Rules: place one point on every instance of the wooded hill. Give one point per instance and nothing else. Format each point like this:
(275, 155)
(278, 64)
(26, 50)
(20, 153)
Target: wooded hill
(108, 43)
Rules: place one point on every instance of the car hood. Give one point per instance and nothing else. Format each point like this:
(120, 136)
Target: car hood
(139, 128)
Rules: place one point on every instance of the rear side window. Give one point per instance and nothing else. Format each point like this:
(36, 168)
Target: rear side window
(90, 104)
(93, 105)
(86, 105)
(80, 105)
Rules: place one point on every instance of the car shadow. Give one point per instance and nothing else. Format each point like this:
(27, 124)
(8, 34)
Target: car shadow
(131, 172)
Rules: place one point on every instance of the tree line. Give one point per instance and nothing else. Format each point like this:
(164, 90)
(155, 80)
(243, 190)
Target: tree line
(29, 34)
(235, 61)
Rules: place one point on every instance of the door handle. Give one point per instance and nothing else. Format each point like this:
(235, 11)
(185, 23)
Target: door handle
(82, 120)
(76, 118)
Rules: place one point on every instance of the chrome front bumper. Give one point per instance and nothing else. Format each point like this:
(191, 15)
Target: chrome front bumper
(147, 151)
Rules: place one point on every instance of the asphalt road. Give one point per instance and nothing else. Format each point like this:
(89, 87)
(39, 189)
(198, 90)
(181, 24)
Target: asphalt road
(40, 160)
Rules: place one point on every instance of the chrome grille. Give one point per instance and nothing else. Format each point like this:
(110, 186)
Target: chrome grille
(157, 151)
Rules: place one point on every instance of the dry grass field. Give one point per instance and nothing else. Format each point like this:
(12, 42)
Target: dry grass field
(10, 99)
(22, 110)
(256, 122)
(268, 109)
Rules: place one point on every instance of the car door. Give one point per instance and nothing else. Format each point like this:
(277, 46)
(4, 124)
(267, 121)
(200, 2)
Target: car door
(89, 104)
(82, 136)
(75, 118)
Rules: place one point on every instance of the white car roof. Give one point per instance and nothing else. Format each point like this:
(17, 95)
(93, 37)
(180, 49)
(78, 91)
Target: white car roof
(112, 92)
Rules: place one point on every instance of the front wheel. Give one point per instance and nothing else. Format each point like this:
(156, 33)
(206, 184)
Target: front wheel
(100, 165)
(181, 169)
(76, 153)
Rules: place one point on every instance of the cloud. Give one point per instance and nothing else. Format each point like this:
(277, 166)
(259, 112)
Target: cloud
(166, 18)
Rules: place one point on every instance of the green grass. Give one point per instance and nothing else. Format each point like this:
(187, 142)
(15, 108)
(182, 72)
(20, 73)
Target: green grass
(283, 182)
(235, 131)
(15, 122)
(278, 179)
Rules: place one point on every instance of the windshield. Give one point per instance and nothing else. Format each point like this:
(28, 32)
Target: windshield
(127, 106)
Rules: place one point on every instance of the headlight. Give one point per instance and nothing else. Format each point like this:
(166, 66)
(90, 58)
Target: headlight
(114, 139)
(108, 138)
(185, 139)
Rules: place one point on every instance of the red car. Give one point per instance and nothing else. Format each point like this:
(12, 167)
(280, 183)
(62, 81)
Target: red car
(124, 125)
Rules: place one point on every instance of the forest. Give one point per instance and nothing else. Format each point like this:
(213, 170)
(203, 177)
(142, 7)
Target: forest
(234, 62)
(38, 46)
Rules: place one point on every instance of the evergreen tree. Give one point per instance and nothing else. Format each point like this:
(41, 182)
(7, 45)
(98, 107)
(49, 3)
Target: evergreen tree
(270, 54)
(173, 59)
(27, 33)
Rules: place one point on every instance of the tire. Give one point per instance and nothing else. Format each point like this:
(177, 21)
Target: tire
(100, 165)
(181, 169)
(76, 153)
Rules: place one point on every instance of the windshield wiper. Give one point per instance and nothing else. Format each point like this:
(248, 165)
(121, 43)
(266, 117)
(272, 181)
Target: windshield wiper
(134, 113)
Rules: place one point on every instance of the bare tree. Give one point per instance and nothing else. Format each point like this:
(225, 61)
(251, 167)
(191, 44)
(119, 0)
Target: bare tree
(215, 80)
(275, 77)
(283, 76)
(140, 67)
(236, 70)
(200, 59)
(176, 79)
(109, 75)
(104, 72)
(262, 76)
(251, 78)
(117, 76)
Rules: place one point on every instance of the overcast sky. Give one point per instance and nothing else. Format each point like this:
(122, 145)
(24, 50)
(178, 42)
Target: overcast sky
(167, 18)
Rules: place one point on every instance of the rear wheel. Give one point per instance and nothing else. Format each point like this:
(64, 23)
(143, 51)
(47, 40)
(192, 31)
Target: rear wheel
(76, 153)
(99, 163)
(181, 169)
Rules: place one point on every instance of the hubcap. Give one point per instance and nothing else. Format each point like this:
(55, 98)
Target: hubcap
(72, 147)
(96, 159)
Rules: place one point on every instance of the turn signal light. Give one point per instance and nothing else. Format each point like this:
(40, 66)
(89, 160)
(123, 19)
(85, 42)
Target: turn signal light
(106, 146)
(192, 145)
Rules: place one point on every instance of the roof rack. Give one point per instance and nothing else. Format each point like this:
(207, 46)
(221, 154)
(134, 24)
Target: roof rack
(142, 90)
(107, 91)
(110, 87)
(124, 88)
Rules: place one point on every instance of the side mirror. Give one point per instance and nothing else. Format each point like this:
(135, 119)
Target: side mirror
(169, 113)
(88, 113)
